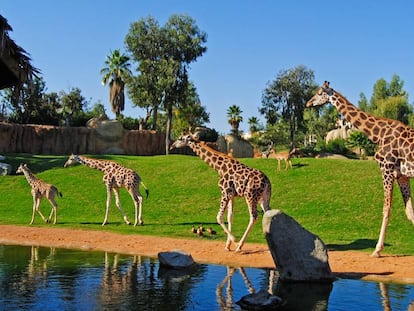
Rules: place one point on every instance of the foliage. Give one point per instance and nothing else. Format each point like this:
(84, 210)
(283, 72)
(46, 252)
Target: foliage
(287, 96)
(337, 146)
(163, 55)
(340, 200)
(115, 74)
(191, 113)
(254, 125)
(388, 100)
(359, 140)
(234, 118)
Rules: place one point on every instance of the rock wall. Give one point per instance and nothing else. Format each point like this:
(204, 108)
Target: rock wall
(45, 139)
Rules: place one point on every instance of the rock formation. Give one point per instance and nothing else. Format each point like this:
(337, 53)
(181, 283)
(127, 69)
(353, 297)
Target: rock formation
(299, 255)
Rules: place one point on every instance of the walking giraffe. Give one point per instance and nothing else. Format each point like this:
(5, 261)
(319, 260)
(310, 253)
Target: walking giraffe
(115, 177)
(40, 190)
(236, 179)
(395, 154)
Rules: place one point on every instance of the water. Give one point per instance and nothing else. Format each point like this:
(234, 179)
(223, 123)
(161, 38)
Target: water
(39, 278)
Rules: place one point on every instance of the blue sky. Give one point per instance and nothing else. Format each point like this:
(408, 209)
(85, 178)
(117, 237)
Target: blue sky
(350, 43)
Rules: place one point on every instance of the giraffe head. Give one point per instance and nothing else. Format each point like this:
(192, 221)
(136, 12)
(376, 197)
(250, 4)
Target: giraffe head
(183, 141)
(22, 167)
(72, 160)
(322, 96)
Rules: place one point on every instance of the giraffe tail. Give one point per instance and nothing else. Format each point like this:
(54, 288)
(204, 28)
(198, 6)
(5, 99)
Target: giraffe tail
(146, 189)
(60, 194)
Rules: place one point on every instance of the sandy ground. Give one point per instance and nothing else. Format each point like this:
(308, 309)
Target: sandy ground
(349, 264)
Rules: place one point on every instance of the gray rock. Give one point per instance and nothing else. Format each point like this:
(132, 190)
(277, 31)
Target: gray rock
(5, 169)
(177, 259)
(299, 255)
(260, 301)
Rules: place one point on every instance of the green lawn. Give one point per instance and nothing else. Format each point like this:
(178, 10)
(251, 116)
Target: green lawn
(339, 200)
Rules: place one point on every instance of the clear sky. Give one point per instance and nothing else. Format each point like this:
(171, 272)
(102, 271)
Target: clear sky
(350, 43)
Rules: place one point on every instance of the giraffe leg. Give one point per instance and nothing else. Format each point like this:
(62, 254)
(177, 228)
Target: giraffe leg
(108, 203)
(53, 210)
(225, 202)
(38, 209)
(388, 183)
(137, 198)
(34, 210)
(118, 204)
(252, 221)
(404, 183)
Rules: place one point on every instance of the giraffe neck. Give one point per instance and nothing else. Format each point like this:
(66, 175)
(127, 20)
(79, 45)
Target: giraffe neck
(93, 163)
(363, 121)
(30, 177)
(212, 157)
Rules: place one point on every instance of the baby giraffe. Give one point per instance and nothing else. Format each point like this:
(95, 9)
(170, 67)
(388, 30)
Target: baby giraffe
(40, 190)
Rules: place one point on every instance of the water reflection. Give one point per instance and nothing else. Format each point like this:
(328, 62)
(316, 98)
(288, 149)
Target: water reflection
(38, 278)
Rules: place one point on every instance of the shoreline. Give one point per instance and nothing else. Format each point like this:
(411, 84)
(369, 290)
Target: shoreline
(344, 264)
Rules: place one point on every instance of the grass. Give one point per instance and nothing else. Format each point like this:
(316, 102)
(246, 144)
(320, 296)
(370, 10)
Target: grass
(338, 200)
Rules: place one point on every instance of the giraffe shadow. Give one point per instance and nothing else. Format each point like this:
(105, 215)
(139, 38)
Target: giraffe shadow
(299, 165)
(359, 244)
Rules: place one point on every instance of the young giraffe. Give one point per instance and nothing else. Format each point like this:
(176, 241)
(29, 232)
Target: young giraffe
(40, 190)
(115, 177)
(236, 179)
(395, 154)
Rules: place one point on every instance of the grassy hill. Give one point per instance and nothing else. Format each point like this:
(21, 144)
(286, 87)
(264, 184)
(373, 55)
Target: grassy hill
(339, 200)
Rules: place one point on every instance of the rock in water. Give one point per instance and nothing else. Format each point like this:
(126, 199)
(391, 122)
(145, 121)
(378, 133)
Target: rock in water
(299, 255)
(175, 259)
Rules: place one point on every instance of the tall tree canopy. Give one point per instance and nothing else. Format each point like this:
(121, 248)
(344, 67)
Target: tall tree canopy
(116, 72)
(286, 96)
(163, 54)
(389, 100)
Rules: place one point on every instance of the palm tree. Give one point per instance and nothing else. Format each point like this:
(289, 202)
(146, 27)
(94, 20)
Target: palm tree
(115, 73)
(234, 114)
(254, 125)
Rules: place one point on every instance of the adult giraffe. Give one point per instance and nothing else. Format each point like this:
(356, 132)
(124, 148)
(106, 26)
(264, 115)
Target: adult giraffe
(236, 179)
(395, 154)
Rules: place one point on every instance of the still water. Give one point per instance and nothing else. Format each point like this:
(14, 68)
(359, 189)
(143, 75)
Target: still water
(39, 278)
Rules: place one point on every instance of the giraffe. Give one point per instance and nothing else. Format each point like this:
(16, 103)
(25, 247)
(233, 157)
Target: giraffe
(40, 190)
(395, 155)
(115, 177)
(236, 180)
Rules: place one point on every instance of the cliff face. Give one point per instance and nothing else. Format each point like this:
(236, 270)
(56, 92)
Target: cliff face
(44, 139)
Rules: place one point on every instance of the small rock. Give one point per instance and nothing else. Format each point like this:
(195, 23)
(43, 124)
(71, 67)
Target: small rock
(260, 301)
(177, 259)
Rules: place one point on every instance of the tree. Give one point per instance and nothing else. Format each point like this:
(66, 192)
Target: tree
(71, 105)
(191, 113)
(254, 125)
(163, 55)
(287, 95)
(116, 73)
(359, 140)
(234, 117)
(389, 100)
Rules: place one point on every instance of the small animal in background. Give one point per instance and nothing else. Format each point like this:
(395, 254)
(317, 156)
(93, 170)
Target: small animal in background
(193, 229)
(211, 231)
(40, 190)
(200, 231)
(202, 228)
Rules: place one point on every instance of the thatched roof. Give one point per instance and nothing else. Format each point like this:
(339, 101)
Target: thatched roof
(15, 67)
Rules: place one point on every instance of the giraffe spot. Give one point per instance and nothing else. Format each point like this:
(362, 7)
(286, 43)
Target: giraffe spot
(357, 123)
(375, 130)
(363, 116)
(353, 113)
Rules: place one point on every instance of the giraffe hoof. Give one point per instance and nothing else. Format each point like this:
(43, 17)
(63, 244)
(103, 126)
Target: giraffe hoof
(376, 254)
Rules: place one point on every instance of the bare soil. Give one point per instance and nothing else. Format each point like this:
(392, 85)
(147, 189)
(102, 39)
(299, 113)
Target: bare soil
(348, 264)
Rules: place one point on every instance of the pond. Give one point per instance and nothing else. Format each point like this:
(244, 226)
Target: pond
(39, 278)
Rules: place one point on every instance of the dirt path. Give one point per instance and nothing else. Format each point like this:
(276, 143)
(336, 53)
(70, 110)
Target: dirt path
(351, 264)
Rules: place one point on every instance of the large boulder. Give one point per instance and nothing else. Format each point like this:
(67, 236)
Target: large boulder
(235, 146)
(108, 134)
(299, 255)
